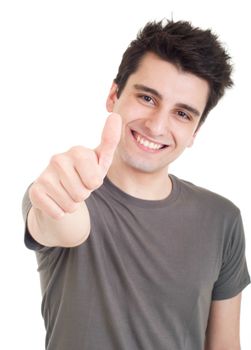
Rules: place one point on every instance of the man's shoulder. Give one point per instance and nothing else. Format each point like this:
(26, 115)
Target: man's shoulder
(205, 197)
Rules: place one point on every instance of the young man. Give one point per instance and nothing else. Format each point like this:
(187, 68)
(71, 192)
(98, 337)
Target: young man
(132, 257)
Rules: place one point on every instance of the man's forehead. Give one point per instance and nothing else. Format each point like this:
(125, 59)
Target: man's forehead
(167, 82)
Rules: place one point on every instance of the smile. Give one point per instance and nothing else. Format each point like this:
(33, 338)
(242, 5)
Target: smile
(146, 143)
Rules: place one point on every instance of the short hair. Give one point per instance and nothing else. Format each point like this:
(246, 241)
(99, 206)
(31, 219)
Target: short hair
(190, 48)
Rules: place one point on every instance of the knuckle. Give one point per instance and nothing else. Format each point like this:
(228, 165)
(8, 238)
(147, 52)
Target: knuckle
(45, 180)
(35, 193)
(77, 151)
(56, 160)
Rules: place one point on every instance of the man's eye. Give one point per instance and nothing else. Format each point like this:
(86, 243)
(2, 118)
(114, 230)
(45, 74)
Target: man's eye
(183, 115)
(147, 99)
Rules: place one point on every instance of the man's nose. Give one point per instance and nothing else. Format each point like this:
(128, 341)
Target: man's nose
(158, 124)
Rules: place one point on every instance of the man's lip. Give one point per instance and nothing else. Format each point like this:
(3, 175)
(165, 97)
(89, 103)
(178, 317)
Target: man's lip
(134, 133)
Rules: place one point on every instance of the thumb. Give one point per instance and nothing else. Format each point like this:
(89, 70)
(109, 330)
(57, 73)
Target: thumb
(109, 141)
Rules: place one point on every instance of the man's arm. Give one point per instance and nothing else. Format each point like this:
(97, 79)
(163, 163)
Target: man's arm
(223, 330)
(64, 186)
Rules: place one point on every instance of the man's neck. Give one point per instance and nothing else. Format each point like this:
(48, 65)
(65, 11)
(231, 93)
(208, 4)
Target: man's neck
(149, 186)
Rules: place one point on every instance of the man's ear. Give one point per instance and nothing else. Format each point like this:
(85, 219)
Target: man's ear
(112, 97)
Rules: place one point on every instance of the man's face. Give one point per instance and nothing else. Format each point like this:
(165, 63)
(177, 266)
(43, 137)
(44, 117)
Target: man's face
(160, 106)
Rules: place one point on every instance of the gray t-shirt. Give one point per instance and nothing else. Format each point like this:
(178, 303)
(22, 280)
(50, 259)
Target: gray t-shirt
(147, 274)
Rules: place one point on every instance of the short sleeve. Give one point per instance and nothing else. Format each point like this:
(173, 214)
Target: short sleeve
(234, 275)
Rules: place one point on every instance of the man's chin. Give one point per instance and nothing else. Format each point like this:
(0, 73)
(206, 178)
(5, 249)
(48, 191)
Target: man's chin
(144, 167)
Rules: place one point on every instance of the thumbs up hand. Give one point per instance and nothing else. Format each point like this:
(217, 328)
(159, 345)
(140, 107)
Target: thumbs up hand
(70, 177)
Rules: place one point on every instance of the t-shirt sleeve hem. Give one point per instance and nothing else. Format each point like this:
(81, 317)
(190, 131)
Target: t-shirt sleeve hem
(231, 293)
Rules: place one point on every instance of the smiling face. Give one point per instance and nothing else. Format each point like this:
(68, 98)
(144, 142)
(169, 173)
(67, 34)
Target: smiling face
(160, 107)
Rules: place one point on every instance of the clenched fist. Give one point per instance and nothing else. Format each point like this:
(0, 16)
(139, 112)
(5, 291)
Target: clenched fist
(71, 176)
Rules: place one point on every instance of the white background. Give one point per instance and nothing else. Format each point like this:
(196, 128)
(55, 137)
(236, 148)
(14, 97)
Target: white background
(57, 62)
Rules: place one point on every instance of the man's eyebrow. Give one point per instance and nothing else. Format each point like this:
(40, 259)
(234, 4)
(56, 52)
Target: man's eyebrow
(148, 89)
(189, 108)
(157, 94)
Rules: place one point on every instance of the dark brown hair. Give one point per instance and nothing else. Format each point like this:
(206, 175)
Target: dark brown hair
(191, 49)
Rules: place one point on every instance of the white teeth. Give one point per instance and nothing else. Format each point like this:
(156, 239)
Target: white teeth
(147, 143)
